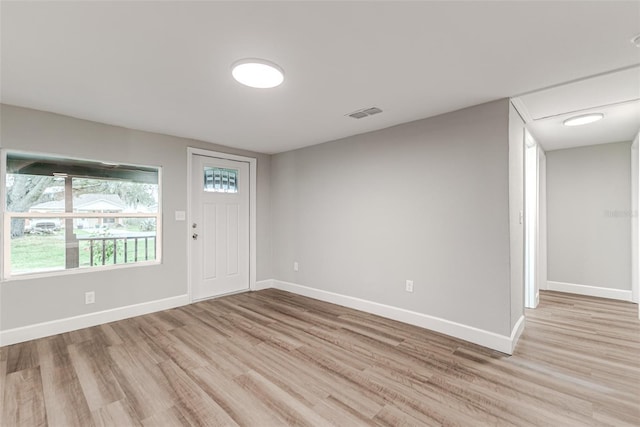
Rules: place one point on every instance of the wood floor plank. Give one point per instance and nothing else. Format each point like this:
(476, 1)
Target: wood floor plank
(137, 378)
(328, 385)
(192, 402)
(280, 401)
(23, 403)
(132, 334)
(168, 418)
(431, 400)
(63, 396)
(338, 413)
(232, 397)
(272, 358)
(118, 413)
(22, 356)
(493, 379)
(615, 415)
(391, 416)
(3, 374)
(110, 336)
(93, 368)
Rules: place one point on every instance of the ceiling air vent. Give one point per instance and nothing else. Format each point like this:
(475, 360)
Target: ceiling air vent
(358, 114)
(373, 110)
(365, 112)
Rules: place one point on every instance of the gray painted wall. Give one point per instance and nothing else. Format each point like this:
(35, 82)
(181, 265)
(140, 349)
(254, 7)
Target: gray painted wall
(516, 205)
(588, 206)
(426, 201)
(30, 301)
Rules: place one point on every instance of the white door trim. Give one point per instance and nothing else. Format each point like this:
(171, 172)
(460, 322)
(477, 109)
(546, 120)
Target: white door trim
(531, 221)
(253, 169)
(635, 237)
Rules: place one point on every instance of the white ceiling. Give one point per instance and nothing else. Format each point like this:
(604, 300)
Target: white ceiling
(165, 66)
(616, 95)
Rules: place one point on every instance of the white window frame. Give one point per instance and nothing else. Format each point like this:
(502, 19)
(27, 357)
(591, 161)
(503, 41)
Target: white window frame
(5, 236)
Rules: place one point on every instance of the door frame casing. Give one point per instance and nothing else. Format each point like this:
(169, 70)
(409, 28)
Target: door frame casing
(635, 230)
(253, 185)
(531, 221)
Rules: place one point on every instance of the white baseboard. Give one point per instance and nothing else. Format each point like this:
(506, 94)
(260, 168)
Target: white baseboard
(505, 344)
(592, 291)
(262, 284)
(502, 343)
(518, 328)
(45, 329)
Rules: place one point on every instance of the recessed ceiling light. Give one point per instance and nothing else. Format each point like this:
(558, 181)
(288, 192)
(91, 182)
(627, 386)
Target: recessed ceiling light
(583, 119)
(636, 40)
(257, 73)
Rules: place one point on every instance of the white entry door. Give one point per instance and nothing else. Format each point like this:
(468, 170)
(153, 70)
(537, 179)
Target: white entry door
(220, 226)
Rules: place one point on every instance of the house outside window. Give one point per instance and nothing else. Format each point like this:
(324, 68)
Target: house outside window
(62, 215)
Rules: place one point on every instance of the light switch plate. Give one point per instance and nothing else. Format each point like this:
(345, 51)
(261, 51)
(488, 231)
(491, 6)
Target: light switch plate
(181, 216)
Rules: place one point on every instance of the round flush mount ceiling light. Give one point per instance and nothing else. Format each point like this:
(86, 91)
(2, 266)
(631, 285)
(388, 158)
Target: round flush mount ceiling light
(258, 73)
(583, 119)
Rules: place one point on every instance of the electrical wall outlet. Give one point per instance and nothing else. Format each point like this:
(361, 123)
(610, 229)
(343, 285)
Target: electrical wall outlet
(295, 266)
(89, 297)
(409, 286)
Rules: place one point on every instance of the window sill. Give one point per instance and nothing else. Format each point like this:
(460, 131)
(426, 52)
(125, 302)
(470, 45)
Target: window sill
(56, 273)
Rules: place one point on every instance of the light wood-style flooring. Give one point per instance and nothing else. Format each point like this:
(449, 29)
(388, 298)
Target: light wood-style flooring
(271, 358)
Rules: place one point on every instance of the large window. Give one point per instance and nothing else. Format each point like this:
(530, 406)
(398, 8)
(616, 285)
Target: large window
(62, 214)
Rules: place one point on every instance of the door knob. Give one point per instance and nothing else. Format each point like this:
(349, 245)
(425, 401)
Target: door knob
(195, 236)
